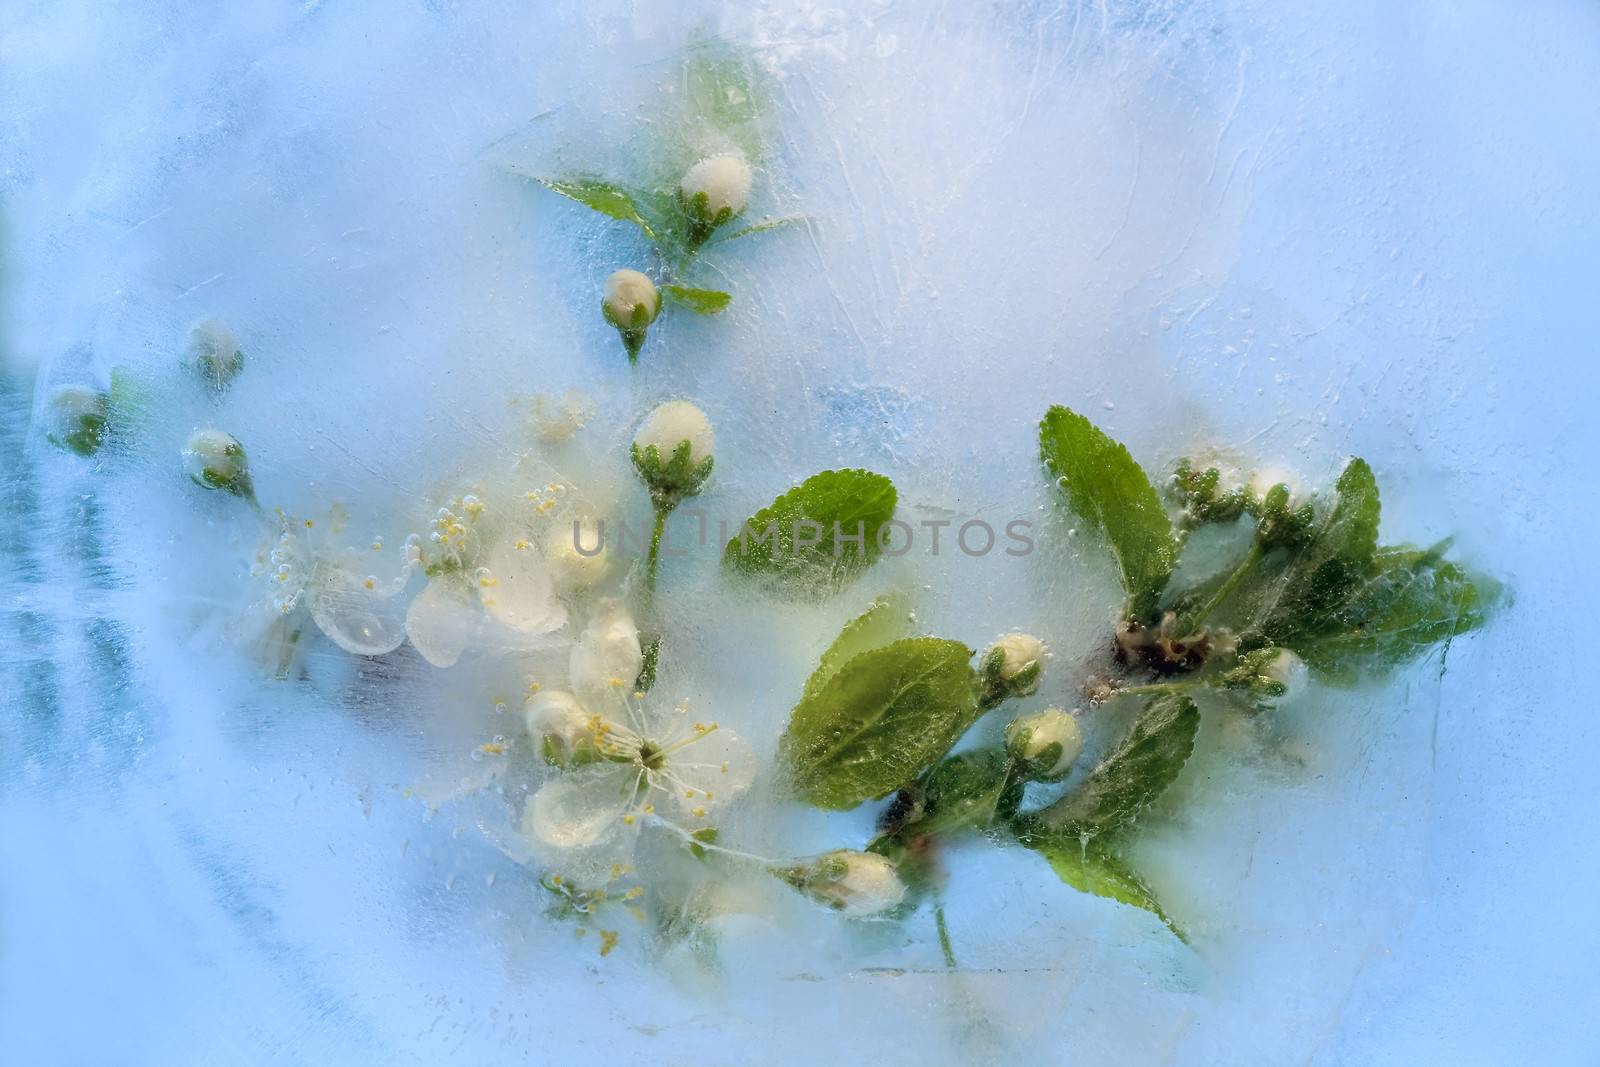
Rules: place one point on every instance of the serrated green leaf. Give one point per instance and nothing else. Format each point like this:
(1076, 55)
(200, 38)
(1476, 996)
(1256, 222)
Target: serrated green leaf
(1109, 491)
(1090, 867)
(886, 621)
(838, 516)
(602, 196)
(880, 721)
(1413, 600)
(1319, 576)
(700, 301)
(1124, 783)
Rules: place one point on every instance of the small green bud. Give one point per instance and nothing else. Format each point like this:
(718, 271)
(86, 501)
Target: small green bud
(1045, 744)
(77, 419)
(1265, 675)
(216, 460)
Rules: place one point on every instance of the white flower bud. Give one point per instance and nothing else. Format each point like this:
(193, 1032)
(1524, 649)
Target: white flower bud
(724, 181)
(577, 554)
(213, 354)
(1285, 669)
(559, 726)
(858, 884)
(631, 300)
(1017, 653)
(607, 657)
(1046, 742)
(77, 419)
(216, 460)
(670, 425)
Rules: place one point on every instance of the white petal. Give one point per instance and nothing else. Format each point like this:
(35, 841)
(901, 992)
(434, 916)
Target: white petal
(518, 592)
(609, 649)
(719, 763)
(583, 808)
(368, 622)
(441, 620)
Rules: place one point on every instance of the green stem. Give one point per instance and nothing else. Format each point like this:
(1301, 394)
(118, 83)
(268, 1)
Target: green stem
(1156, 688)
(1247, 564)
(944, 936)
(655, 549)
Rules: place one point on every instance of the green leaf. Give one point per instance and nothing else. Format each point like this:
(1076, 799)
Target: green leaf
(1110, 492)
(602, 196)
(1320, 575)
(757, 227)
(1136, 772)
(1090, 867)
(880, 721)
(1413, 600)
(701, 301)
(837, 516)
(886, 621)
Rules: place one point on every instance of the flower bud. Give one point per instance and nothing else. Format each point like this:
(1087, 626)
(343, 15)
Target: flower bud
(714, 191)
(1012, 667)
(858, 884)
(1045, 743)
(1263, 481)
(77, 419)
(213, 355)
(577, 554)
(631, 303)
(216, 460)
(1265, 675)
(672, 451)
(561, 728)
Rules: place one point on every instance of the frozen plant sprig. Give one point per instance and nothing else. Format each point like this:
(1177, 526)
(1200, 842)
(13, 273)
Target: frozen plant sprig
(672, 453)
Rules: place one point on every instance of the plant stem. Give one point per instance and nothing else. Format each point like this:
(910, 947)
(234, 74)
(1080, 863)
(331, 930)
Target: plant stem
(655, 549)
(944, 935)
(1251, 558)
(1155, 688)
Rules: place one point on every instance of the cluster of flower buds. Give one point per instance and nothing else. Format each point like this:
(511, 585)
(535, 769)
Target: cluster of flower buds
(216, 460)
(1045, 744)
(77, 419)
(1206, 497)
(672, 452)
(857, 884)
(1264, 675)
(1282, 518)
(631, 303)
(1011, 667)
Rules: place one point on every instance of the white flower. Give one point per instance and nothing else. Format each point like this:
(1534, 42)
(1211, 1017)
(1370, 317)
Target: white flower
(216, 460)
(77, 418)
(213, 354)
(358, 611)
(631, 301)
(607, 658)
(508, 584)
(577, 554)
(652, 766)
(556, 421)
(858, 884)
(673, 423)
(1046, 743)
(723, 182)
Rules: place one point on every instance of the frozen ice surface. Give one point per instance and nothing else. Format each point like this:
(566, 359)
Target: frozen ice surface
(1363, 230)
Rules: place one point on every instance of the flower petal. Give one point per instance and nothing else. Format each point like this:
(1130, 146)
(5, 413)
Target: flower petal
(517, 591)
(718, 765)
(366, 621)
(609, 649)
(583, 808)
(441, 620)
